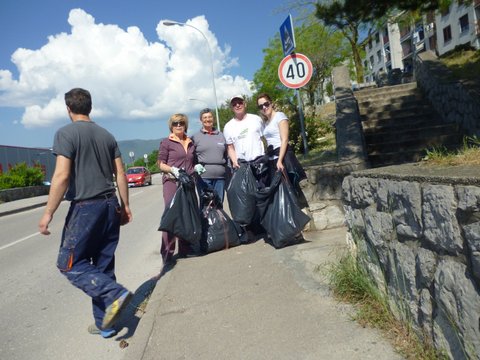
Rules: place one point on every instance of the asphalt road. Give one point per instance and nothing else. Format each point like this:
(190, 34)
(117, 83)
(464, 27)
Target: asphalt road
(42, 315)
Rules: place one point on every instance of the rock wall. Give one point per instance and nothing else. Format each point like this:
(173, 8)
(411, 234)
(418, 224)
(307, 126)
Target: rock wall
(455, 101)
(22, 193)
(419, 236)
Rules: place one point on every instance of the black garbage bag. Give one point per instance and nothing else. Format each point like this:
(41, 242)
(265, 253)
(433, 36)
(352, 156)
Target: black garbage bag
(241, 195)
(182, 216)
(282, 217)
(220, 231)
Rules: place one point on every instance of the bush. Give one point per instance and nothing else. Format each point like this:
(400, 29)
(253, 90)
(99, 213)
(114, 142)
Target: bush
(20, 176)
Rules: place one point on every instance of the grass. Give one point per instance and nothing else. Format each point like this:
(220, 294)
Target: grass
(351, 283)
(325, 152)
(468, 154)
(464, 64)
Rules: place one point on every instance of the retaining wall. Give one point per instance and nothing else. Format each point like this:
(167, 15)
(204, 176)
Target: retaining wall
(418, 229)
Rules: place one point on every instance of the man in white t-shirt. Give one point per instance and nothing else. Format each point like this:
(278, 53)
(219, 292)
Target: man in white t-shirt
(243, 133)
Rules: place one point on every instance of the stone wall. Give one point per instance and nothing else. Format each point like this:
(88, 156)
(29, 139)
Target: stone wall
(22, 193)
(418, 231)
(455, 101)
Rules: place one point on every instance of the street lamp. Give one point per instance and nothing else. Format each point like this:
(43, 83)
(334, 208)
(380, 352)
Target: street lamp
(172, 23)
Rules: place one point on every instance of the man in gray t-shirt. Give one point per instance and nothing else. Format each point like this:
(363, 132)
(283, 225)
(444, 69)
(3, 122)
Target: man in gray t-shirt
(87, 158)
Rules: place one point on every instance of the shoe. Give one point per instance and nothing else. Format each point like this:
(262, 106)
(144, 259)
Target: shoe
(107, 333)
(114, 309)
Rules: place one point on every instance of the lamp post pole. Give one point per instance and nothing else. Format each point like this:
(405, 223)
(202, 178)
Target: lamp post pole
(172, 23)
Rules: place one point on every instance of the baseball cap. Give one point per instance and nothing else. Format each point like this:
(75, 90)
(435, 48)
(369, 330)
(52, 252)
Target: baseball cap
(237, 97)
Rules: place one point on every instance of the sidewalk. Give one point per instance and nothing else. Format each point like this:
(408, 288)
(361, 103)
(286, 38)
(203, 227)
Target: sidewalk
(254, 302)
(16, 206)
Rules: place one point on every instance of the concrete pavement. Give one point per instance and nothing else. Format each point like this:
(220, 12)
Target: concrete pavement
(249, 302)
(254, 302)
(16, 206)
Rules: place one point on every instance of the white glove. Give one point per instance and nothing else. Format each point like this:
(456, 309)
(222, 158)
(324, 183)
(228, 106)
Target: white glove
(199, 169)
(175, 171)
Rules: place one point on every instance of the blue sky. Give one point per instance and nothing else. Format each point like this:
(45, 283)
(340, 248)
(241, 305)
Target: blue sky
(139, 72)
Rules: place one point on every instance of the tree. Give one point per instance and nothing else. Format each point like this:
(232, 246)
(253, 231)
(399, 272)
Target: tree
(325, 50)
(345, 16)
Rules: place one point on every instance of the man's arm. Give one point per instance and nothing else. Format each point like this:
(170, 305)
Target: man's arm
(232, 154)
(126, 214)
(58, 187)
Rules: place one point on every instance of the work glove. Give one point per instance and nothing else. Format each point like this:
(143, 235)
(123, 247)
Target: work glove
(199, 169)
(175, 171)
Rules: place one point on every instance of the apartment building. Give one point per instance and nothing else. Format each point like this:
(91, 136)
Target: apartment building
(457, 25)
(395, 45)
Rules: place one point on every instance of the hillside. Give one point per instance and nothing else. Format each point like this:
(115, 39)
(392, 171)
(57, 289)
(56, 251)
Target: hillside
(139, 147)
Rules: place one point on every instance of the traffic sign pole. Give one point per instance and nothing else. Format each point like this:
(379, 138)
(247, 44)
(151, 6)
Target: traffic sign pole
(295, 71)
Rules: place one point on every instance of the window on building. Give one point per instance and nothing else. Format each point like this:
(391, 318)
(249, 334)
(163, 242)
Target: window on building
(377, 37)
(372, 60)
(379, 56)
(463, 23)
(370, 43)
(447, 34)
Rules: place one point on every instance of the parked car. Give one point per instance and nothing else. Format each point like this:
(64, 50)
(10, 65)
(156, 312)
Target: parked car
(138, 176)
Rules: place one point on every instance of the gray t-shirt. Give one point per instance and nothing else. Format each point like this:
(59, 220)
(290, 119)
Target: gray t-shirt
(211, 153)
(92, 150)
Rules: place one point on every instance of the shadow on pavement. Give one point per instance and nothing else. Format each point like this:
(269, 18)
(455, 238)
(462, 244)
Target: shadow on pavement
(131, 316)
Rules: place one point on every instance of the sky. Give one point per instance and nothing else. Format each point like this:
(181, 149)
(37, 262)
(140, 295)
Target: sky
(138, 71)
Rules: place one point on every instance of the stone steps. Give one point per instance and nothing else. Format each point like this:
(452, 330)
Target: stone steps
(399, 125)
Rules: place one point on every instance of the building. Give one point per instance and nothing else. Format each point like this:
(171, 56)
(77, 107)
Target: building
(457, 25)
(395, 44)
(12, 155)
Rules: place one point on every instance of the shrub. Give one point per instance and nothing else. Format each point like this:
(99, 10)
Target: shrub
(21, 175)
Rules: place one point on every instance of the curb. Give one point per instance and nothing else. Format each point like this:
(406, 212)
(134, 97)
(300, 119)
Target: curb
(20, 209)
(141, 338)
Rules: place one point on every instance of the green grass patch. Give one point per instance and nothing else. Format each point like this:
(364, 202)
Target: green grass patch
(464, 64)
(468, 154)
(351, 283)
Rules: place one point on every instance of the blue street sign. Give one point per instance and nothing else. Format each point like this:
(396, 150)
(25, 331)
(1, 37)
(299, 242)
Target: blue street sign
(287, 36)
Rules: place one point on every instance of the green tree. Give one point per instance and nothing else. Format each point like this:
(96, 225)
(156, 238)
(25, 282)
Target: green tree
(325, 49)
(151, 162)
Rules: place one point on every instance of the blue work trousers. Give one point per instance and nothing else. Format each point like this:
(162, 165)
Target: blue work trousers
(87, 252)
(216, 184)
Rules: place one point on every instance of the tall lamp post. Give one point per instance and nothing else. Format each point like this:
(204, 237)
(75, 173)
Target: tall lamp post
(172, 23)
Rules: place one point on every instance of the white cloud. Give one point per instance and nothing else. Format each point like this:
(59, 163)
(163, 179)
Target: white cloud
(129, 77)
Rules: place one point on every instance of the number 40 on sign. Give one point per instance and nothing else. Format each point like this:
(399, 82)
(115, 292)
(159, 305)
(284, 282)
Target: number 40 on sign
(295, 70)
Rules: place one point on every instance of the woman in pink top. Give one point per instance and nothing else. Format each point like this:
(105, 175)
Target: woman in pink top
(176, 152)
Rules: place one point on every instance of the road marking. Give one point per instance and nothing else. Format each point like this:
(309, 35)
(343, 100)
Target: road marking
(38, 233)
(19, 241)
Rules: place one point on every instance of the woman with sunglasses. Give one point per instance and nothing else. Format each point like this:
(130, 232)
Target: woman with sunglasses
(176, 152)
(281, 155)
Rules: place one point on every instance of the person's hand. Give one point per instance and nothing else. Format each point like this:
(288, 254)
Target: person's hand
(280, 166)
(199, 169)
(43, 224)
(175, 171)
(125, 215)
(235, 164)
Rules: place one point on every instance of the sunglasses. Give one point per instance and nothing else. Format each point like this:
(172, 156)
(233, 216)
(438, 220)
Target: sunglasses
(178, 123)
(265, 105)
(238, 102)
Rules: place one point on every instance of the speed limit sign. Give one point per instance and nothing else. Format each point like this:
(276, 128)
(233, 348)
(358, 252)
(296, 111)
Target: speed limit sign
(295, 70)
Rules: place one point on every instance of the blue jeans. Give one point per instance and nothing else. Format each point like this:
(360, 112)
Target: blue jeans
(216, 184)
(87, 252)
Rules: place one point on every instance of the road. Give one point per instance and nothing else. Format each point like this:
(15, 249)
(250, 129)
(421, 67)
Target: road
(42, 315)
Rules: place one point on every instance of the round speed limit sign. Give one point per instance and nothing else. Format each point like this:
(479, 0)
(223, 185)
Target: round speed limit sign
(295, 71)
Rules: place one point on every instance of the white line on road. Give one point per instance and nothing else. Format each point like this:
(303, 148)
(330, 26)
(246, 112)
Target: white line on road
(38, 233)
(19, 241)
